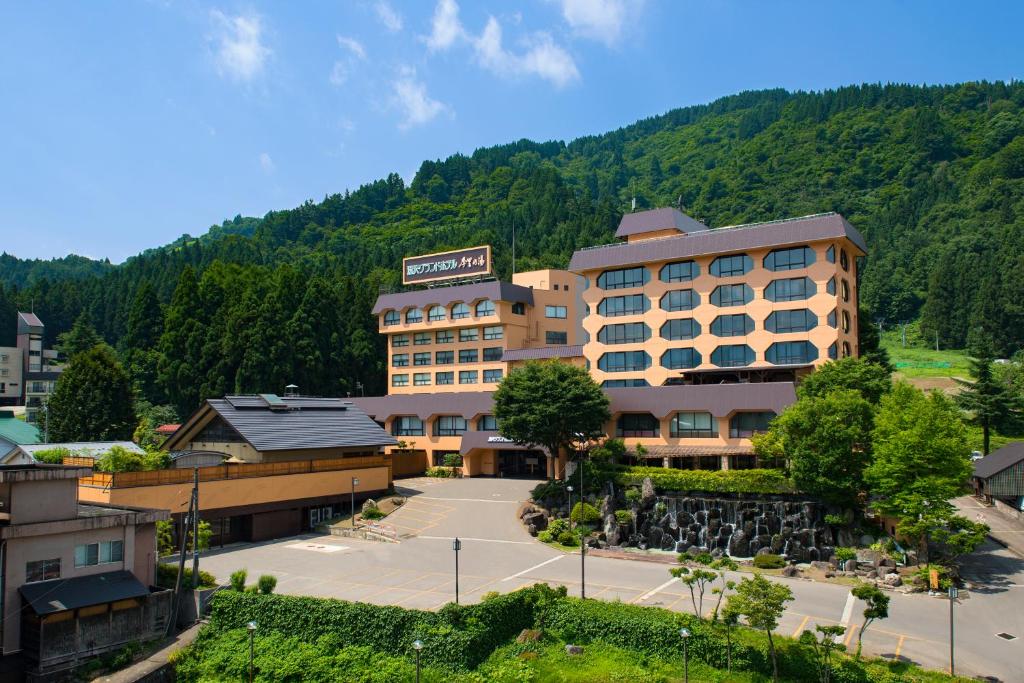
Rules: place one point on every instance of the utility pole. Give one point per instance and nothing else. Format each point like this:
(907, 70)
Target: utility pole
(583, 544)
(195, 528)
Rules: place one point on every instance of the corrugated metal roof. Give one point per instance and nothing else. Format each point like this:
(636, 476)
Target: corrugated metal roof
(543, 352)
(28, 320)
(17, 431)
(468, 404)
(718, 241)
(994, 463)
(718, 399)
(59, 595)
(306, 423)
(495, 290)
(657, 219)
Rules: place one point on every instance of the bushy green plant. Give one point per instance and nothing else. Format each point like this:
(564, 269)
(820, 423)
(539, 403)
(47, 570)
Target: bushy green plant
(452, 460)
(843, 554)
(660, 509)
(267, 583)
(585, 513)
(547, 489)
(623, 516)
(709, 481)
(237, 580)
(167, 574)
(769, 561)
(373, 513)
(557, 526)
(567, 538)
(52, 456)
(545, 536)
(441, 472)
(835, 520)
(633, 496)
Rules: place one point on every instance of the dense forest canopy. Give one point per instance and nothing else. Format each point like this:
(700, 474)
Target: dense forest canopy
(932, 175)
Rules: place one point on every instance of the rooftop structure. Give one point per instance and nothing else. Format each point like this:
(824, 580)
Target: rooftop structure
(1000, 475)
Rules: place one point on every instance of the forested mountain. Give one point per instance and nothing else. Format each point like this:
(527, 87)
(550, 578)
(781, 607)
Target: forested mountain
(933, 176)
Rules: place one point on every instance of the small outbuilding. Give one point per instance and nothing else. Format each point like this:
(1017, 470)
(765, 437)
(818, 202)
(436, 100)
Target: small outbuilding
(999, 476)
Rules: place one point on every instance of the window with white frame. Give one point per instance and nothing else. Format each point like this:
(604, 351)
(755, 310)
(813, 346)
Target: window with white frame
(104, 552)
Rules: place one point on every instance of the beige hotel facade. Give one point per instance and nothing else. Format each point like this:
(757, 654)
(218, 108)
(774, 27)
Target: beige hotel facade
(697, 335)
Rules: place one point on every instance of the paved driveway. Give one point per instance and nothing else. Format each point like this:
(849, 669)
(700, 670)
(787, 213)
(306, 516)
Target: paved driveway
(498, 555)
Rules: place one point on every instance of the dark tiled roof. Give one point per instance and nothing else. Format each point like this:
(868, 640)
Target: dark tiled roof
(495, 290)
(301, 423)
(542, 353)
(657, 219)
(474, 440)
(59, 595)
(994, 463)
(688, 451)
(718, 399)
(468, 404)
(719, 240)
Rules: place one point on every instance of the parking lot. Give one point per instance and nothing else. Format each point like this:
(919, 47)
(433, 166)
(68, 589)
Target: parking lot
(498, 555)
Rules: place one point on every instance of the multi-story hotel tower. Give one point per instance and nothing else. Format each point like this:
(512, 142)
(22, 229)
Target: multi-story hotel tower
(698, 336)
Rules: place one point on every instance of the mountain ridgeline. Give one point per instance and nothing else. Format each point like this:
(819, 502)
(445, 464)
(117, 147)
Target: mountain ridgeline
(932, 175)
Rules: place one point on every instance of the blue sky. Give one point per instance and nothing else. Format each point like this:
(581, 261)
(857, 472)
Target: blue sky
(126, 124)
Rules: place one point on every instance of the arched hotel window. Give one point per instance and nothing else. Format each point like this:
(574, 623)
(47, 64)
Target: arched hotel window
(789, 259)
(846, 321)
(414, 315)
(693, 426)
(636, 424)
(732, 356)
(846, 350)
(436, 313)
(725, 296)
(623, 278)
(460, 311)
(731, 266)
(845, 288)
(844, 260)
(735, 325)
(792, 289)
(745, 425)
(624, 361)
(392, 318)
(624, 333)
(791, 353)
(407, 425)
(681, 328)
(680, 300)
(680, 359)
(796, 320)
(484, 308)
(680, 271)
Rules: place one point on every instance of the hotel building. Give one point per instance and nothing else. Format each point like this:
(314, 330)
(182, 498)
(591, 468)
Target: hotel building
(698, 336)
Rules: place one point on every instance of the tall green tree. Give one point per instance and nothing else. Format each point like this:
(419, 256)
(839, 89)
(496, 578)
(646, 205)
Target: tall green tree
(762, 602)
(551, 404)
(920, 450)
(92, 401)
(181, 345)
(991, 404)
(869, 379)
(827, 441)
(81, 337)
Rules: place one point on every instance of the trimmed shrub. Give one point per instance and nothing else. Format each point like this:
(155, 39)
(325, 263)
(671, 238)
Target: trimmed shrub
(623, 516)
(545, 536)
(238, 580)
(267, 583)
(710, 481)
(769, 561)
(373, 513)
(567, 538)
(633, 496)
(442, 472)
(844, 554)
(167, 575)
(557, 526)
(585, 513)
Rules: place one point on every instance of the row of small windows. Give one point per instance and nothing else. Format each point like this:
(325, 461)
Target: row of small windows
(423, 379)
(490, 354)
(459, 311)
(726, 356)
(734, 265)
(468, 334)
(736, 325)
(723, 296)
(692, 425)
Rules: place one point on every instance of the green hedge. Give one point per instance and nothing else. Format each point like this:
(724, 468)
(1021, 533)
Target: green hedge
(707, 481)
(455, 637)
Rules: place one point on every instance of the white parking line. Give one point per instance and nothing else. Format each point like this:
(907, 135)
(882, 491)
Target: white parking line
(656, 590)
(536, 566)
(847, 613)
(481, 540)
(469, 500)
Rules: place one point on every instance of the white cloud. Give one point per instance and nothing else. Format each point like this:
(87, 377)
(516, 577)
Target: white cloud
(602, 20)
(542, 57)
(411, 98)
(391, 19)
(343, 67)
(266, 163)
(240, 52)
(445, 26)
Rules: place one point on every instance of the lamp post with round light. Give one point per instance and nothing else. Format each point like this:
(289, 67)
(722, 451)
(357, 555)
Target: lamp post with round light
(251, 626)
(684, 633)
(417, 645)
(355, 483)
(569, 491)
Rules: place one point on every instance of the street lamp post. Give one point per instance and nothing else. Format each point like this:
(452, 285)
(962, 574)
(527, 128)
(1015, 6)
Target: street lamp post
(417, 645)
(355, 483)
(569, 491)
(952, 599)
(583, 545)
(251, 626)
(684, 633)
(456, 546)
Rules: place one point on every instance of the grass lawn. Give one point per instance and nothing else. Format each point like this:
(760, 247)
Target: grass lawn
(915, 362)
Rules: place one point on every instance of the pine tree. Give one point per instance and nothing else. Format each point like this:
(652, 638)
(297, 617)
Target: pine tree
(992, 405)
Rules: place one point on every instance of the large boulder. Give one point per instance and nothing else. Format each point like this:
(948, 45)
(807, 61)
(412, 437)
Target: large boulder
(790, 570)
(868, 556)
(536, 519)
(369, 504)
(892, 580)
(647, 494)
(607, 507)
(850, 566)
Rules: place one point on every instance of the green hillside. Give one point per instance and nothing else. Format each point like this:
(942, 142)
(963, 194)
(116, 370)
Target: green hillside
(933, 176)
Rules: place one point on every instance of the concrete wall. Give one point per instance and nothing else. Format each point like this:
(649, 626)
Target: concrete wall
(40, 501)
(11, 371)
(245, 452)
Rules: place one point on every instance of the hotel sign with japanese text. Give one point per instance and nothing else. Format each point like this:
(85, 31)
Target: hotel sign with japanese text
(447, 265)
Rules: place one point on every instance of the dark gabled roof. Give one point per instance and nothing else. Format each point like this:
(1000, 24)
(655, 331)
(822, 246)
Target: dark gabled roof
(657, 219)
(300, 423)
(26, 321)
(468, 404)
(718, 241)
(495, 290)
(543, 353)
(994, 463)
(59, 595)
(718, 399)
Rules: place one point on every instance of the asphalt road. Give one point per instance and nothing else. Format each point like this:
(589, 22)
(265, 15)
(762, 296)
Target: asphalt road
(498, 555)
